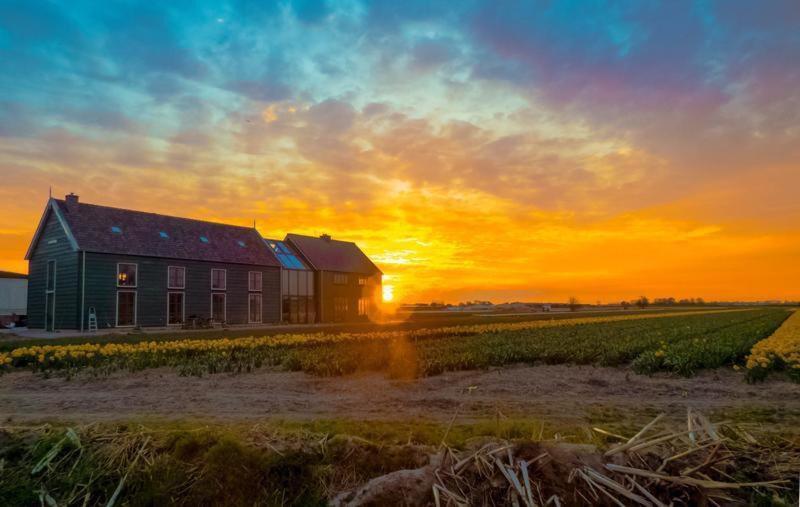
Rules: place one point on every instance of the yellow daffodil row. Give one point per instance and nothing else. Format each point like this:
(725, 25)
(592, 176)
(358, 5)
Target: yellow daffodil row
(781, 350)
(87, 353)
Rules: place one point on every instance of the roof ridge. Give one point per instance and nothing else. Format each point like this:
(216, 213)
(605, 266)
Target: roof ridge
(12, 274)
(61, 201)
(321, 239)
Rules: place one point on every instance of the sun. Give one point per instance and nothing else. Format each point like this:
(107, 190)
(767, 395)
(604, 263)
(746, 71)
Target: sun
(388, 293)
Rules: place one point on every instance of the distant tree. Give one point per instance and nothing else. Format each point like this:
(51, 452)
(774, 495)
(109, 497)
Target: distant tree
(700, 301)
(573, 304)
(625, 305)
(643, 302)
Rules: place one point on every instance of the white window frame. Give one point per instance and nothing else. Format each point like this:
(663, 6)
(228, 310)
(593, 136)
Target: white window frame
(47, 275)
(340, 276)
(183, 307)
(260, 281)
(224, 306)
(135, 308)
(134, 286)
(225, 286)
(48, 292)
(168, 277)
(363, 306)
(362, 280)
(260, 310)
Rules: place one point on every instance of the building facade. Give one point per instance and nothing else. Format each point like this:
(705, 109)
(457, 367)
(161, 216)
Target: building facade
(347, 283)
(121, 268)
(133, 269)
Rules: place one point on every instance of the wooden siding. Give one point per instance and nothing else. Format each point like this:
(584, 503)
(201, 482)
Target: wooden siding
(327, 291)
(101, 289)
(53, 245)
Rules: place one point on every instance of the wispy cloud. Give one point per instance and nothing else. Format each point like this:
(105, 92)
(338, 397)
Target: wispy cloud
(515, 149)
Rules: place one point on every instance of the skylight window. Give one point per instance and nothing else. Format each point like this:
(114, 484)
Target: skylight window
(116, 230)
(204, 239)
(286, 256)
(241, 244)
(163, 235)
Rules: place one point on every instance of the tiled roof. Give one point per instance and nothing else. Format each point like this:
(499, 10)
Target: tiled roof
(120, 231)
(332, 255)
(9, 274)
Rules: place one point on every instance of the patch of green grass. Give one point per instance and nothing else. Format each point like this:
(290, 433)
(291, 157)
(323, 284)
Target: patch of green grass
(782, 420)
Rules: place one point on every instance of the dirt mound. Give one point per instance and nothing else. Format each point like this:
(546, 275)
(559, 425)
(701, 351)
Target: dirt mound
(704, 464)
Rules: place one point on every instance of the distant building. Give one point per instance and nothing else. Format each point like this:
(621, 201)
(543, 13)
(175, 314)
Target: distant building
(13, 297)
(131, 268)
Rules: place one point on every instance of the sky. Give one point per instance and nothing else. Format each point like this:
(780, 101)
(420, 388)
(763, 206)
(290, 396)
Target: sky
(510, 151)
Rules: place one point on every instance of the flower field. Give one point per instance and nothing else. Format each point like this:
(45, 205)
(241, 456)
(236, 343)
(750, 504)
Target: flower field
(781, 351)
(680, 342)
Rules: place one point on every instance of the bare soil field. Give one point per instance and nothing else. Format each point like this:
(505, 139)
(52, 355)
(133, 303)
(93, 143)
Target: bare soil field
(558, 392)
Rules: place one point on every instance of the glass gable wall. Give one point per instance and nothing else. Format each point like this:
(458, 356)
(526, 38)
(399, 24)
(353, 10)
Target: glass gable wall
(299, 304)
(297, 285)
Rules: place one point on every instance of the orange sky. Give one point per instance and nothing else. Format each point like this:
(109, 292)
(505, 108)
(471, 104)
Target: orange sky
(455, 245)
(473, 152)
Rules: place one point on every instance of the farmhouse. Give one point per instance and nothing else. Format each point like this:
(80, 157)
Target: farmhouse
(93, 265)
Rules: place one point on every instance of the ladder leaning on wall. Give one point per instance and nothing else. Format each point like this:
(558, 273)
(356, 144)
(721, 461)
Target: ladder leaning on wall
(92, 319)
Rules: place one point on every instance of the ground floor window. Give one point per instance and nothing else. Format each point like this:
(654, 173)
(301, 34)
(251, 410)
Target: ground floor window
(175, 308)
(299, 309)
(254, 308)
(218, 310)
(126, 308)
(363, 306)
(340, 309)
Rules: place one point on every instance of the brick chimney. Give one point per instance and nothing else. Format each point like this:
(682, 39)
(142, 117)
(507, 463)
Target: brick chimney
(325, 237)
(71, 200)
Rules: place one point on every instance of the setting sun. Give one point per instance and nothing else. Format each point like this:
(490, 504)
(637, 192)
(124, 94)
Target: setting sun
(388, 293)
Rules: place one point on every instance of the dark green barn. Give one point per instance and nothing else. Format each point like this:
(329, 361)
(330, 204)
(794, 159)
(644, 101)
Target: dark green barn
(144, 269)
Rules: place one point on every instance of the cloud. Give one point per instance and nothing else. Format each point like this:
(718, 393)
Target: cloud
(429, 54)
(604, 147)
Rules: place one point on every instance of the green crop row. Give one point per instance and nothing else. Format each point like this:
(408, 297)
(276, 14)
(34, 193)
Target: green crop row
(680, 343)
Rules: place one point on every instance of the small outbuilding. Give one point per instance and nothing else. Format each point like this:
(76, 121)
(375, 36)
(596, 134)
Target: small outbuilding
(13, 298)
